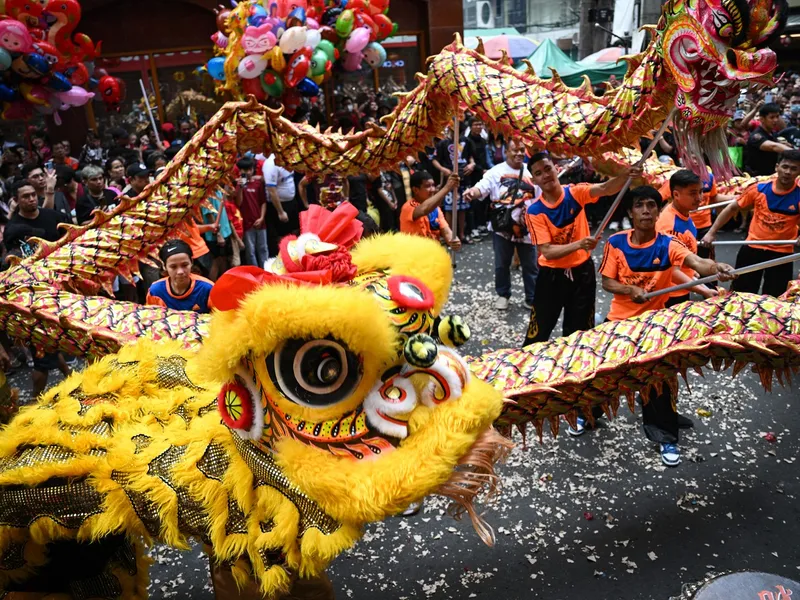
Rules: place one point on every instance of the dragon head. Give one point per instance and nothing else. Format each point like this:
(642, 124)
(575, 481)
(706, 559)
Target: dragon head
(333, 369)
(714, 49)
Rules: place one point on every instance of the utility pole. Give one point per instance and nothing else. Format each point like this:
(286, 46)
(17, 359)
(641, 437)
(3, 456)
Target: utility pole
(585, 29)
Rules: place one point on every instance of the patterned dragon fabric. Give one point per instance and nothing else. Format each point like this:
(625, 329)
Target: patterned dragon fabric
(322, 394)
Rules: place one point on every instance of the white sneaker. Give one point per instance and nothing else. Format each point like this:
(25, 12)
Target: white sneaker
(670, 455)
(613, 226)
(475, 233)
(501, 303)
(626, 223)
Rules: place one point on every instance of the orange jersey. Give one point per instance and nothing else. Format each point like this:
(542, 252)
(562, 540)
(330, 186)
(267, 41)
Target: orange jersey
(648, 266)
(561, 223)
(775, 216)
(426, 226)
(671, 222)
(702, 219)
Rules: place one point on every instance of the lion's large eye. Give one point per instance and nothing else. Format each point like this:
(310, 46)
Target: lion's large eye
(314, 373)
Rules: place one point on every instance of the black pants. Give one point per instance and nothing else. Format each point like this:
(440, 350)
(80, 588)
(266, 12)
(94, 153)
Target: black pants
(776, 279)
(557, 291)
(659, 417)
(277, 229)
(387, 215)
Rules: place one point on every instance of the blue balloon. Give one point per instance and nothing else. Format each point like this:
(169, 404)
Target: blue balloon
(5, 59)
(7, 94)
(297, 16)
(308, 87)
(59, 83)
(216, 68)
(257, 16)
(37, 62)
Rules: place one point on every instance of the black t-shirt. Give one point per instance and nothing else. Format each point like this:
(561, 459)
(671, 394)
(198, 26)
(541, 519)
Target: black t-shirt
(475, 148)
(756, 160)
(61, 204)
(358, 191)
(791, 135)
(44, 226)
(87, 203)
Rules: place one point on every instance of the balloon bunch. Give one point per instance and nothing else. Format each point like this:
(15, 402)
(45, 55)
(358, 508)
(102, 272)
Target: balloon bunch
(286, 49)
(44, 66)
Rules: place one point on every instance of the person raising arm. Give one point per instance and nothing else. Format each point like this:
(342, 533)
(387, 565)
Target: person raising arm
(421, 215)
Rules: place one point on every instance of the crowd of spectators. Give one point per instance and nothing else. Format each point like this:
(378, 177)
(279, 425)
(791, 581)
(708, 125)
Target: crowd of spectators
(45, 182)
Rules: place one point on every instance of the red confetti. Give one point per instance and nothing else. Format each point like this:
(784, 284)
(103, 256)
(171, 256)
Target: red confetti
(771, 438)
(588, 516)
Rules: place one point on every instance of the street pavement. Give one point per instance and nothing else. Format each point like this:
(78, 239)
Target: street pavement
(598, 517)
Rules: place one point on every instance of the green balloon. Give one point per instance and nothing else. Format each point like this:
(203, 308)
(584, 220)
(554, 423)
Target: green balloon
(318, 62)
(328, 48)
(272, 83)
(345, 22)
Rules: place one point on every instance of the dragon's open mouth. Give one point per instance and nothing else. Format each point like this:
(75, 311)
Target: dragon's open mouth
(715, 94)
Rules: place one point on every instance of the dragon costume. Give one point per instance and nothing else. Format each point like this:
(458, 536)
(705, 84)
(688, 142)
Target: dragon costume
(316, 398)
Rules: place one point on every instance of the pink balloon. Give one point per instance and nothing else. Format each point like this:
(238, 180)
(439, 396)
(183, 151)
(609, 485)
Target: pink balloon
(77, 96)
(258, 40)
(358, 40)
(312, 23)
(14, 37)
(352, 62)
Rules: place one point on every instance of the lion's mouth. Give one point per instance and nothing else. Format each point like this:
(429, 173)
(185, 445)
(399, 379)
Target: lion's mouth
(474, 475)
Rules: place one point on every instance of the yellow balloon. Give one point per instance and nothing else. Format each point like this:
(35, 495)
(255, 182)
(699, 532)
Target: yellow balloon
(319, 79)
(276, 60)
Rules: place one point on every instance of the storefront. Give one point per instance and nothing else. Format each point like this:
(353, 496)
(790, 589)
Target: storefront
(160, 43)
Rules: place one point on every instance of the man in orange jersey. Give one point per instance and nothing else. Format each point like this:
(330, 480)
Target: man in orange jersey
(675, 219)
(558, 226)
(636, 262)
(702, 218)
(776, 215)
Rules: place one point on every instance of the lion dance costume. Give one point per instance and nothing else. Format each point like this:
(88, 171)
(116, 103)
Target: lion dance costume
(321, 395)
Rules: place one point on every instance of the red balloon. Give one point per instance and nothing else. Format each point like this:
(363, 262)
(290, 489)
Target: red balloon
(364, 20)
(358, 5)
(80, 76)
(52, 55)
(112, 92)
(253, 86)
(378, 7)
(298, 67)
(385, 26)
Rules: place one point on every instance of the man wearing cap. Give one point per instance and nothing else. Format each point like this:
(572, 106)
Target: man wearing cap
(138, 178)
(180, 289)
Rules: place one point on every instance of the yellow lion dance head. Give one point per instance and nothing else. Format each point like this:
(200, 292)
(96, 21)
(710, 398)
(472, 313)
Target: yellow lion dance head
(332, 368)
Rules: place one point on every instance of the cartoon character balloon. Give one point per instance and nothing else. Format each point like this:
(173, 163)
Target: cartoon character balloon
(15, 37)
(44, 61)
(258, 40)
(111, 90)
(288, 48)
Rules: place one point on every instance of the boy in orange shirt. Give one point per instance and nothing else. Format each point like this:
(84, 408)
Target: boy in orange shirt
(558, 226)
(643, 260)
(776, 215)
(421, 215)
(701, 218)
(676, 220)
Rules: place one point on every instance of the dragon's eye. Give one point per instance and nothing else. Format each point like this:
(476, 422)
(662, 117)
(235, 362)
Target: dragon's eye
(314, 373)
